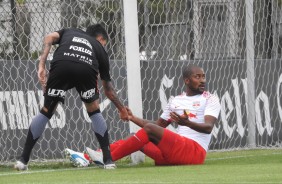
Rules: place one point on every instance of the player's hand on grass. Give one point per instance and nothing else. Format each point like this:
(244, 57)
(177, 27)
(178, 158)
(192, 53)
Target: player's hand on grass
(42, 76)
(180, 119)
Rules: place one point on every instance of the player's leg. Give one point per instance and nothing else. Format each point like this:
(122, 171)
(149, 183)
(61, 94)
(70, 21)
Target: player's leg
(99, 126)
(55, 92)
(35, 130)
(100, 129)
(118, 143)
(149, 149)
(152, 151)
(154, 132)
(86, 85)
(96, 155)
(150, 132)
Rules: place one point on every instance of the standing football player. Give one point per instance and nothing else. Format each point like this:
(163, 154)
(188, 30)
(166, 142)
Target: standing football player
(77, 62)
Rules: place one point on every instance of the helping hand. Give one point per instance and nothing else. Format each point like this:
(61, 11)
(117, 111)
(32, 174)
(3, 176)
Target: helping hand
(123, 114)
(130, 114)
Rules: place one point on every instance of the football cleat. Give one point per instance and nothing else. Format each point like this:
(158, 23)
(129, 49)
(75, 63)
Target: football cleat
(77, 159)
(97, 158)
(110, 165)
(20, 166)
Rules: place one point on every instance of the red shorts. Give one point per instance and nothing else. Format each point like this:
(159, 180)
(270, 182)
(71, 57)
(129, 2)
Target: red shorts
(174, 149)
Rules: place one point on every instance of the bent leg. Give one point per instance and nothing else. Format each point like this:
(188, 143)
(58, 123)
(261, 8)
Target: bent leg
(154, 132)
(150, 132)
(116, 144)
(152, 151)
(149, 149)
(130, 145)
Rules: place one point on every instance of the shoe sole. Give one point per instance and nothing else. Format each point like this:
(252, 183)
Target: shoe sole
(74, 162)
(98, 163)
(18, 168)
(110, 166)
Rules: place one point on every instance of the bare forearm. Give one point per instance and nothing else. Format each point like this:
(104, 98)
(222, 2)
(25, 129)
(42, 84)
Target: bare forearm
(112, 95)
(45, 51)
(47, 45)
(140, 122)
(200, 127)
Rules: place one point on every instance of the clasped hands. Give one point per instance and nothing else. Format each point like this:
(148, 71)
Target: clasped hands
(126, 114)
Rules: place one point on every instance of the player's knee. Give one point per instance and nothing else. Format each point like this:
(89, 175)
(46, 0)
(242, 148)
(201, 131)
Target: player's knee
(153, 132)
(49, 108)
(46, 113)
(149, 128)
(92, 106)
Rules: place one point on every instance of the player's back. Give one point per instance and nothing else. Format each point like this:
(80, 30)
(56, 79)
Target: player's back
(77, 46)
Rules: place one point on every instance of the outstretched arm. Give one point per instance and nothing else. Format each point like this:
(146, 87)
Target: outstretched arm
(111, 94)
(47, 44)
(142, 122)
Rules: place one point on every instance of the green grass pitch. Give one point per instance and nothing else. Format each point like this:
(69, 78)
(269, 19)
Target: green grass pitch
(245, 166)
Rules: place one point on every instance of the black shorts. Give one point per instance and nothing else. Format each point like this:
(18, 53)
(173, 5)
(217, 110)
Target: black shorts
(64, 75)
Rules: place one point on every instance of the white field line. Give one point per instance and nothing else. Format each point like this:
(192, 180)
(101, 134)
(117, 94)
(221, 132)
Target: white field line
(154, 182)
(42, 171)
(58, 170)
(244, 156)
(195, 182)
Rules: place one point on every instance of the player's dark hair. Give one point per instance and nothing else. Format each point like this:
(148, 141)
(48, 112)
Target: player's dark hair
(188, 71)
(97, 30)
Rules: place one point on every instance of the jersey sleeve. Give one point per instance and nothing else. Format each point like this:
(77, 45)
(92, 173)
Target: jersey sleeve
(61, 32)
(213, 106)
(167, 110)
(104, 64)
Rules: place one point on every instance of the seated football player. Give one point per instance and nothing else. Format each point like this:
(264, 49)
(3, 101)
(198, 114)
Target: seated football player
(195, 111)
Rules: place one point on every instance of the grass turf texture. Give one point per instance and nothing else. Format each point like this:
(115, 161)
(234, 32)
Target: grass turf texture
(247, 166)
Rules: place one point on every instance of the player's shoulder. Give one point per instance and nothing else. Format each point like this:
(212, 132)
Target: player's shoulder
(182, 95)
(207, 94)
(178, 97)
(69, 29)
(210, 96)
